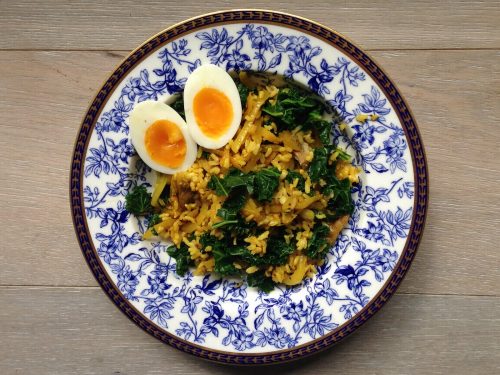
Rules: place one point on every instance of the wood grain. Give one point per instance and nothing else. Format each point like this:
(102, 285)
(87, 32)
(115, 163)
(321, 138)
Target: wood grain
(375, 24)
(444, 56)
(79, 331)
(43, 96)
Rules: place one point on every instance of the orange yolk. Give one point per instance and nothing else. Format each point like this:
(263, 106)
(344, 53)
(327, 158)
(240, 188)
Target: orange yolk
(165, 143)
(213, 112)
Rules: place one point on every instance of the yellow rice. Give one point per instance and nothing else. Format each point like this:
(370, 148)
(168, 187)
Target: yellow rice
(192, 208)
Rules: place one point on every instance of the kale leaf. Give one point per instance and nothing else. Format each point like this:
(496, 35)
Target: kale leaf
(261, 184)
(291, 107)
(294, 175)
(152, 221)
(182, 258)
(277, 251)
(260, 280)
(341, 203)
(138, 201)
(243, 91)
(206, 239)
(316, 123)
(266, 182)
(235, 225)
(217, 184)
(235, 178)
(229, 212)
(224, 262)
(319, 165)
(224, 254)
(295, 107)
(317, 244)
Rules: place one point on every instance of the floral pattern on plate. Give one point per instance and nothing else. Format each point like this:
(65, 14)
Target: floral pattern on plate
(219, 313)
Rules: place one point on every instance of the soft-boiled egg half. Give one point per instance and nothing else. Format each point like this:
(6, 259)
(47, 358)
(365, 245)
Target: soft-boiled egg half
(161, 137)
(212, 106)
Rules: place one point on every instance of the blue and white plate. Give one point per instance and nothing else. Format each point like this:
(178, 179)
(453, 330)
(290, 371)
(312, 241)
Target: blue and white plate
(216, 318)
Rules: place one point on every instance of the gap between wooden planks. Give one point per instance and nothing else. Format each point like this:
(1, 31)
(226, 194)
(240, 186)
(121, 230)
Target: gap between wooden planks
(374, 24)
(79, 331)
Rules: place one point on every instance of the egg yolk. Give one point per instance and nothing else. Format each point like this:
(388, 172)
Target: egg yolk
(165, 143)
(213, 112)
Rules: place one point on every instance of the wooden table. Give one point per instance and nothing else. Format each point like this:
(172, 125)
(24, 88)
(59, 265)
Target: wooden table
(445, 57)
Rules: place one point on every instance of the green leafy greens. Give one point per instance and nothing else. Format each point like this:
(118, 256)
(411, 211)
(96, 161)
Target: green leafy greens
(266, 183)
(341, 203)
(235, 178)
(295, 107)
(243, 91)
(226, 254)
(138, 201)
(294, 175)
(339, 191)
(232, 221)
(152, 221)
(317, 244)
(261, 281)
(319, 165)
(261, 184)
(182, 258)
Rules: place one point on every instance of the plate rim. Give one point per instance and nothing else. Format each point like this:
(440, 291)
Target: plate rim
(322, 32)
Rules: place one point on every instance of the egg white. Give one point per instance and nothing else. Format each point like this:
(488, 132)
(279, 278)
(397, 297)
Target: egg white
(211, 76)
(142, 117)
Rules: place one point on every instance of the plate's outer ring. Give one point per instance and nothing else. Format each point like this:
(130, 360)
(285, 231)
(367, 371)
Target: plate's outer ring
(336, 40)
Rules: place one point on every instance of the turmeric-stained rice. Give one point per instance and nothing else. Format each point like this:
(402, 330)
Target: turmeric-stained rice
(268, 205)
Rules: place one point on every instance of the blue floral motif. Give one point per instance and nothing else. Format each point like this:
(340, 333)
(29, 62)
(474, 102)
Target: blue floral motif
(373, 104)
(222, 312)
(237, 60)
(223, 48)
(406, 189)
(159, 309)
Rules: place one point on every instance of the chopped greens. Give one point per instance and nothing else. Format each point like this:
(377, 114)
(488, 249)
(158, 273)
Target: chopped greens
(261, 184)
(152, 221)
(317, 244)
(261, 281)
(229, 212)
(182, 258)
(319, 164)
(243, 91)
(295, 107)
(235, 178)
(138, 201)
(277, 251)
(224, 262)
(341, 154)
(266, 182)
(253, 247)
(341, 202)
(339, 191)
(294, 175)
(226, 255)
